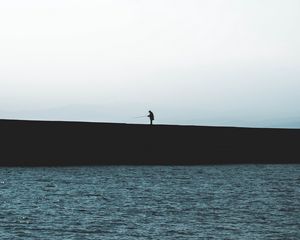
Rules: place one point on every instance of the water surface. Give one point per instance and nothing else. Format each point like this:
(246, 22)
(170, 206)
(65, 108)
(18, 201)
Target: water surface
(151, 202)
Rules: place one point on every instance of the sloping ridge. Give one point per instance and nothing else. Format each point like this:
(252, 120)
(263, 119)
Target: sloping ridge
(50, 143)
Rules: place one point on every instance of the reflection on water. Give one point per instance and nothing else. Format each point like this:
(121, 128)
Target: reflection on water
(151, 202)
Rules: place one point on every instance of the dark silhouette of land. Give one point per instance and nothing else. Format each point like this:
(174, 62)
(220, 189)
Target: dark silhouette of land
(46, 143)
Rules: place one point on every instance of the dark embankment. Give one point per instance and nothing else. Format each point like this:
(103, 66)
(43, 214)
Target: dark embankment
(38, 143)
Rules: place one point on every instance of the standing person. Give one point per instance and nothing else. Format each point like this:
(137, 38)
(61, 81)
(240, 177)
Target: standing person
(151, 116)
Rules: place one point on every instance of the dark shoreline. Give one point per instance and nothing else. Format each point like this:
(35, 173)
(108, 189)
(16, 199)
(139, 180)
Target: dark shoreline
(54, 143)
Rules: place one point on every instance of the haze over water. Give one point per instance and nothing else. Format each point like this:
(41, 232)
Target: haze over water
(151, 202)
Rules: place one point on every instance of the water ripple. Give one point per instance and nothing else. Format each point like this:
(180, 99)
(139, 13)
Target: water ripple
(199, 202)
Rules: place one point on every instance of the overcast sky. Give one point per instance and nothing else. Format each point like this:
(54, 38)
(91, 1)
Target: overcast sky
(206, 62)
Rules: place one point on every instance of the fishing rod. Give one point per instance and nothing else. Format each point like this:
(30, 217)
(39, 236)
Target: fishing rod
(141, 116)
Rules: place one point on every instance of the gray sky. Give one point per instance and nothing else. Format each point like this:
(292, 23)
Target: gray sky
(206, 62)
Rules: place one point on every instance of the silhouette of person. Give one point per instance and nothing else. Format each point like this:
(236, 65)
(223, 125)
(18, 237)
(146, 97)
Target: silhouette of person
(151, 116)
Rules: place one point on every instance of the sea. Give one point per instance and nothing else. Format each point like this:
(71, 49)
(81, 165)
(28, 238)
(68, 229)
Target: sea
(151, 202)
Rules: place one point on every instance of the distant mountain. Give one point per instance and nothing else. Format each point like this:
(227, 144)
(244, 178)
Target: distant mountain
(125, 114)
